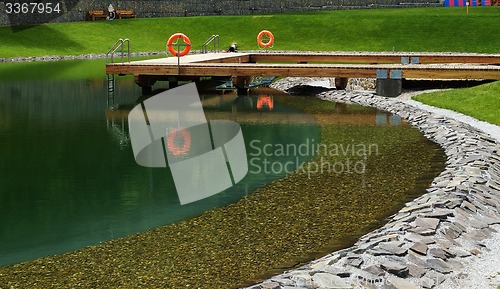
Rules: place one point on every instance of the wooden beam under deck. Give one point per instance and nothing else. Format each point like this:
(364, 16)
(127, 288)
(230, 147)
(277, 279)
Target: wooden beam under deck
(371, 58)
(423, 71)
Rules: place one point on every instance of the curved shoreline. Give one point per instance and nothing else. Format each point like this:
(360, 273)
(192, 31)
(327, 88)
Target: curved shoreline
(428, 242)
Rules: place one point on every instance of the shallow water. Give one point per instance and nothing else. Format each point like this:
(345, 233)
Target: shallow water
(68, 175)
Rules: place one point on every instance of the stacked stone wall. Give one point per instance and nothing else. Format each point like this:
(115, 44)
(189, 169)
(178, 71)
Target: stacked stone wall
(73, 11)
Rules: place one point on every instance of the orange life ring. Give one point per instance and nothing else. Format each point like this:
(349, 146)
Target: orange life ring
(173, 38)
(265, 100)
(266, 44)
(173, 144)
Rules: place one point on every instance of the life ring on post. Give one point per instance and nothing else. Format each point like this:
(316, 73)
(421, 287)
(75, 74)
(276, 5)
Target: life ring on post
(268, 43)
(178, 141)
(173, 38)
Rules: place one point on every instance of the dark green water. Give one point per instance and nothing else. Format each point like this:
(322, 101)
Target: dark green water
(68, 178)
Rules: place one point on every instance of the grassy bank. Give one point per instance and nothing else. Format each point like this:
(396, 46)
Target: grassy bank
(481, 102)
(422, 29)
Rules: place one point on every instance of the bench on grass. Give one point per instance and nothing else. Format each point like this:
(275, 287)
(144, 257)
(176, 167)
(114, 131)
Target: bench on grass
(120, 14)
(96, 15)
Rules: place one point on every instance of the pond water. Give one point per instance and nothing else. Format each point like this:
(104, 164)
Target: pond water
(68, 178)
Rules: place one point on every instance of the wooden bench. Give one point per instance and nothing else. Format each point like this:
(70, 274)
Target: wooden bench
(120, 14)
(96, 15)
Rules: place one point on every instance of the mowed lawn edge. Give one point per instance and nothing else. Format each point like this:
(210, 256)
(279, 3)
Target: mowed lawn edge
(481, 102)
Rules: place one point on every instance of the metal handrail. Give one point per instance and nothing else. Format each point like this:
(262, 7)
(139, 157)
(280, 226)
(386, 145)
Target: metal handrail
(216, 40)
(119, 44)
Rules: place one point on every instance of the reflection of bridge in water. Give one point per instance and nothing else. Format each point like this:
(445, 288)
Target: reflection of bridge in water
(243, 109)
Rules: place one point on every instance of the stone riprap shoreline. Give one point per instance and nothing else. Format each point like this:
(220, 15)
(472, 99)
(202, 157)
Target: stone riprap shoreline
(78, 57)
(435, 241)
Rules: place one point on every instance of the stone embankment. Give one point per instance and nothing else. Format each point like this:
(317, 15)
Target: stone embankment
(436, 240)
(79, 57)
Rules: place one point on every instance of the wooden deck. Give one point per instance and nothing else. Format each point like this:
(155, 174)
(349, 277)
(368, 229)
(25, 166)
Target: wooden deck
(339, 65)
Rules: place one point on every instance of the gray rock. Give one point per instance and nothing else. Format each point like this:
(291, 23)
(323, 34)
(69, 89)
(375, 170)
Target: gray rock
(385, 238)
(475, 251)
(462, 212)
(437, 277)
(439, 265)
(489, 220)
(419, 248)
(438, 253)
(270, 285)
(325, 280)
(459, 252)
(341, 272)
(453, 203)
(468, 206)
(475, 223)
(450, 234)
(393, 247)
(378, 252)
(367, 277)
(476, 236)
(283, 281)
(459, 225)
(333, 259)
(427, 282)
(401, 283)
(422, 231)
(415, 271)
(395, 268)
(472, 171)
(417, 260)
(419, 238)
(455, 264)
(355, 262)
(431, 223)
(439, 214)
(412, 208)
(375, 270)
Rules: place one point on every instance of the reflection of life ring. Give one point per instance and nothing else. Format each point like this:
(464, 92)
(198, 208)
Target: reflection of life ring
(173, 38)
(268, 34)
(265, 100)
(178, 141)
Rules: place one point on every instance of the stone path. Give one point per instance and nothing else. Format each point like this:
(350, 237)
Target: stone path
(435, 241)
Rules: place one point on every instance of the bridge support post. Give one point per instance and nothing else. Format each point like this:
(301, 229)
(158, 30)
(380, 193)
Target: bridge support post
(146, 83)
(173, 81)
(341, 83)
(241, 82)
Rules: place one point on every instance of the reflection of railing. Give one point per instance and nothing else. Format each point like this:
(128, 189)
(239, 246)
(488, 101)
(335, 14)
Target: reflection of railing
(119, 131)
(216, 41)
(120, 44)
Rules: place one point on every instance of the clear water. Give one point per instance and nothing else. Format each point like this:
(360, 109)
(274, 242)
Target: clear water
(68, 178)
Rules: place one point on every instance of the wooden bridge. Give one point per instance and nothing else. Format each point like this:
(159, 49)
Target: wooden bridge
(242, 66)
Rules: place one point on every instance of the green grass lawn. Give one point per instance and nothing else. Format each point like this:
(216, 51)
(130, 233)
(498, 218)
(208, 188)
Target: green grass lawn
(416, 29)
(481, 102)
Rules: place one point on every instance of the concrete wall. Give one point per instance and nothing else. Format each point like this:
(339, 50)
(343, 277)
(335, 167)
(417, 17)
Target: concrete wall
(75, 10)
